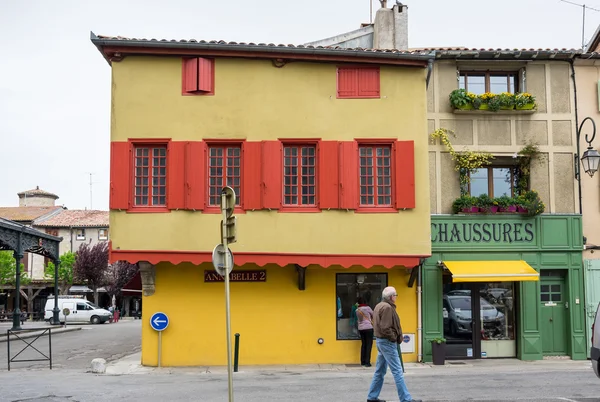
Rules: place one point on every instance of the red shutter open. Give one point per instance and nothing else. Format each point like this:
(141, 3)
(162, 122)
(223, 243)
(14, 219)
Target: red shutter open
(329, 180)
(368, 82)
(347, 82)
(271, 173)
(205, 74)
(252, 177)
(348, 175)
(176, 175)
(120, 175)
(190, 74)
(195, 175)
(405, 174)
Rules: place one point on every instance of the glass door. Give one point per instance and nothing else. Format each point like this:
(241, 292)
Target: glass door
(461, 341)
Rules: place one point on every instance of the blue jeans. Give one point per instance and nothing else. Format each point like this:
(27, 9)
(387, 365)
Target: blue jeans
(387, 355)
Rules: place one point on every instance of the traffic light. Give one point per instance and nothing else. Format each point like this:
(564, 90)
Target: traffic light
(228, 223)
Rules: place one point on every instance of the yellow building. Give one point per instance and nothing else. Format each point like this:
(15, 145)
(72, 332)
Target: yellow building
(327, 152)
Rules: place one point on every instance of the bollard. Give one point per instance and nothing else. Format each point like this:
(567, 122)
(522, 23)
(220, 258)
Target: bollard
(236, 353)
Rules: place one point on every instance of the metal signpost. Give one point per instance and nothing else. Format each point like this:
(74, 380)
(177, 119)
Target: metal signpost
(66, 312)
(159, 322)
(223, 263)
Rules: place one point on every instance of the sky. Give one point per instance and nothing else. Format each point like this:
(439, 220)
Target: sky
(55, 85)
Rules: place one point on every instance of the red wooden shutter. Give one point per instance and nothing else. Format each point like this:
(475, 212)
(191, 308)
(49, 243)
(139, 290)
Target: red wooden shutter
(120, 175)
(205, 74)
(329, 181)
(176, 175)
(271, 170)
(190, 74)
(347, 82)
(251, 171)
(348, 175)
(368, 82)
(195, 175)
(405, 174)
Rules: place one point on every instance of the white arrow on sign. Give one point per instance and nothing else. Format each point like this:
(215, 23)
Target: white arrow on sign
(157, 321)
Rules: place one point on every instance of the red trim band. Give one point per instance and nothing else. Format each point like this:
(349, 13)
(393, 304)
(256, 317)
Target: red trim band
(262, 259)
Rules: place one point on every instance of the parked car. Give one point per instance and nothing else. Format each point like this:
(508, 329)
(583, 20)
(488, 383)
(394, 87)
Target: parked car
(457, 315)
(80, 310)
(595, 352)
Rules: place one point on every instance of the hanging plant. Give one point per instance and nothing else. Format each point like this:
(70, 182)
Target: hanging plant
(465, 162)
(527, 154)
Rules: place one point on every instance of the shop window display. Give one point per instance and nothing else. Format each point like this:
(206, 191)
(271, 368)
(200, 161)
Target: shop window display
(349, 287)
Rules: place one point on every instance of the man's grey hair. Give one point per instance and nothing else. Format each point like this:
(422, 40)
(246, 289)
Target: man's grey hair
(388, 292)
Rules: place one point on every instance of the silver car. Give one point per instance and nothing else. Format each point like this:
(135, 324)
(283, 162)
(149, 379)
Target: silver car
(595, 352)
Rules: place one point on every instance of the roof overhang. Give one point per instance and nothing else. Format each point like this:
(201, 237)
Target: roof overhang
(115, 48)
(491, 271)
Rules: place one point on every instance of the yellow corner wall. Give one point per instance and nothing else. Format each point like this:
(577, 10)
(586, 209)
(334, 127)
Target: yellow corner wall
(256, 101)
(277, 323)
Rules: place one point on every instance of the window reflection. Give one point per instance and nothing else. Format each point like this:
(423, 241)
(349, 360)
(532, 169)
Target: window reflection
(498, 312)
(349, 287)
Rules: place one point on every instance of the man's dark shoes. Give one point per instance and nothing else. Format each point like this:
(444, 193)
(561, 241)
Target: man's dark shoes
(416, 400)
(375, 400)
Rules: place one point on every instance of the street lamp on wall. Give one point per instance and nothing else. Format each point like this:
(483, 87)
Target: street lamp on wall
(590, 158)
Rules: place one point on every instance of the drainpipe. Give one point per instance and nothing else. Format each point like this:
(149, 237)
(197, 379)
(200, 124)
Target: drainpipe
(429, 70)
(71, 233)
(577, 167)
(419, 314)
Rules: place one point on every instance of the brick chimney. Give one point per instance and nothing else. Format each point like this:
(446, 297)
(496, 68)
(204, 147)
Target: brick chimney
(391, 28)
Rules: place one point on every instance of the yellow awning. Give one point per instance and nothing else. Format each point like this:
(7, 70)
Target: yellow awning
(491, 271)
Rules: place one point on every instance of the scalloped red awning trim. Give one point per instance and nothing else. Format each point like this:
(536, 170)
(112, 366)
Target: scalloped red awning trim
(262, 259)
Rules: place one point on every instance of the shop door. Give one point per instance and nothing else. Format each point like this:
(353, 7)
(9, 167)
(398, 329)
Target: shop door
(592, 296)
(554, 314)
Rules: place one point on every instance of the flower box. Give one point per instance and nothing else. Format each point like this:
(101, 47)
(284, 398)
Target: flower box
(528, 106)
(494, 209)
(521, 210)
(470, 210)
(468, 106)
(507, 107)
(484, 106)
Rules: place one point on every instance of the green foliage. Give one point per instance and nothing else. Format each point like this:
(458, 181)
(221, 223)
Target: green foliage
(504, 201)
(484, 202)
(459, 98)
(506, 99)
(462, 202)
(65, 271)
(531, 201)
(8, 270)
(523, 99)
(527, 155)
(494, 103)
(439, 340)
(466, 162)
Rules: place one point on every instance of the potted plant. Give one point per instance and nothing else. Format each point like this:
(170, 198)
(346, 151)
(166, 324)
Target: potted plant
(438, 351)
(504, 202)
(484, 202)
(530, 203)
(464, 203)
(461, 99)
(506, 100)
(524, 101)
(483, 100)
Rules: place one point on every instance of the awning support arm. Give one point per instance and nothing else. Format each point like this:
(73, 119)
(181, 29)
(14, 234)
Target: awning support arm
(301, 277)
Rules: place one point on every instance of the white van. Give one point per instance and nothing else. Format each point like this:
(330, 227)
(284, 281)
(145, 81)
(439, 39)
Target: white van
(595, 352)
(80, 311)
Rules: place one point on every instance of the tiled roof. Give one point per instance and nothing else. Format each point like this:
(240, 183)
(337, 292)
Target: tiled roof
(460, 48)
(502, 54)
(25, 214)
(271, 46)
(76, 218)
(37, 192)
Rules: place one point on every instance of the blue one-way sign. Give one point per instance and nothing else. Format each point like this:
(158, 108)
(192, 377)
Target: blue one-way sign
(159, 321)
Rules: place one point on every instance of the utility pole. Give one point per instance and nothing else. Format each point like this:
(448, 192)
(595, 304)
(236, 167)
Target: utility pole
(91, 185)
(584, 7)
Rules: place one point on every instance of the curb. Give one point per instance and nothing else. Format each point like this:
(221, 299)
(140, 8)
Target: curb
(33, 334)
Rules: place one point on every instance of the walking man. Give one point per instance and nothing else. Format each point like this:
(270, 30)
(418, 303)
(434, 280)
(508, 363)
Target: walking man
(388, 334)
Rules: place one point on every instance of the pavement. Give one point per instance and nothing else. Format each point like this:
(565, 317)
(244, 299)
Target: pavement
(131, 364)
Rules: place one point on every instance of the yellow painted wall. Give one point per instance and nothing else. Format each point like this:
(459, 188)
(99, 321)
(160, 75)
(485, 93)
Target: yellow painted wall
(256, 101)
(278, 323)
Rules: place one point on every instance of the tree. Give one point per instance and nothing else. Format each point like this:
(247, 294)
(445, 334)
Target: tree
(65, 271)
(118, 275)
(8, 270)
(91, 264)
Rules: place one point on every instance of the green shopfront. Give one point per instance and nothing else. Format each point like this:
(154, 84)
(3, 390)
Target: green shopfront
(523, 278)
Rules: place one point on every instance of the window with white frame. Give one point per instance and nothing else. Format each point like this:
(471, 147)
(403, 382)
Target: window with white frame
(80, 234)
(102, 234)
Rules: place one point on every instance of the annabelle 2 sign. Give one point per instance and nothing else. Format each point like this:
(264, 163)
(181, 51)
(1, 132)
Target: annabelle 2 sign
(237, 276)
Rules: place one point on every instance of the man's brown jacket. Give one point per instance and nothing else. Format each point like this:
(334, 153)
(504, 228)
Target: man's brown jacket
(386, 322)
